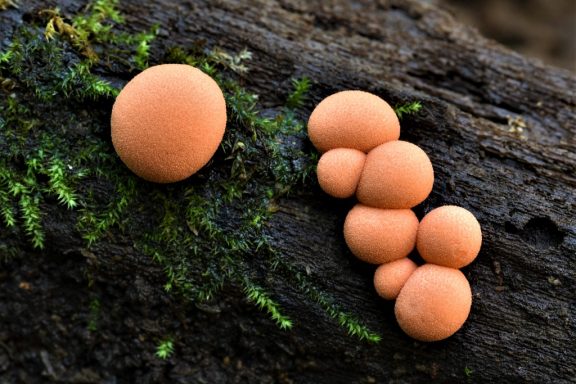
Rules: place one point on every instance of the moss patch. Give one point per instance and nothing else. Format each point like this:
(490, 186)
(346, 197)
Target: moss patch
(198, 233)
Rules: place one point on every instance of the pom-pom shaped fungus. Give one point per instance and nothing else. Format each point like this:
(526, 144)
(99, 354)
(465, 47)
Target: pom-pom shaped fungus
(168, 121)
(449, 236)
(352, 119)
(434, 303)
(339, 171)
(389, 278)
(396, 175)
(379, 236)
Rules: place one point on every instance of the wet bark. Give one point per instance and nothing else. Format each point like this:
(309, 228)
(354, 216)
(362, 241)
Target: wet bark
(500, 131)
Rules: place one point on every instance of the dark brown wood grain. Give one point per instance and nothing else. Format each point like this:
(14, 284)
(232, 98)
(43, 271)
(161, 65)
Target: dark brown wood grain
(521, 185)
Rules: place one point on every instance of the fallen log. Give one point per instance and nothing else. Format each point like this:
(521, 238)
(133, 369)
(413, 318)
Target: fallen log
(499, 129)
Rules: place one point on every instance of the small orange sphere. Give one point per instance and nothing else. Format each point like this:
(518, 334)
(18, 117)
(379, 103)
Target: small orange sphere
(168, 122)
(449, 236)
(389, 278)
(379, 236)
(352, 119)
(396, 175)
(339, 170)
(434, 303)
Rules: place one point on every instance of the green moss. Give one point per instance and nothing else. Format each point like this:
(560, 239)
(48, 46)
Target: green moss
(97, 219)
(298, 96)
(407, 109)
(206, 232)
(44, 174)
(142, 41)
(299, 279)
(8, 252)
(50, 76)
(5, 4)
(165, 348)
(258, 296)
(94, 315)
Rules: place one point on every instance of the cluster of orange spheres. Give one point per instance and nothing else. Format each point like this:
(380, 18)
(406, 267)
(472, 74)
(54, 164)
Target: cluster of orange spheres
(357, 133)
(169, 120)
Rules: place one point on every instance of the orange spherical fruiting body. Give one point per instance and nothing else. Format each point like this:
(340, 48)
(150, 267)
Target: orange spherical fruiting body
(339, 171)
(434, 303)
(396, 175)
(389, 278)
(168, 122)
(379, 236)
(352, 119)
(449, 236)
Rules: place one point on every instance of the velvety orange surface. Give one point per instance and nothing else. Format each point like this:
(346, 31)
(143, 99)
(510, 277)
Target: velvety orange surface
(352, 119)
(449, 236)
(339, 171)
(396, 175)
(168, 121)
(379, 236)
(389, 278)
(434, 303)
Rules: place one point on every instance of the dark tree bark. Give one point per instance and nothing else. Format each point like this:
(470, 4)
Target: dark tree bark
(521, 184)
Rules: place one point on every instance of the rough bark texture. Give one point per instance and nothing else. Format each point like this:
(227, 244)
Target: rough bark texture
(521, 186)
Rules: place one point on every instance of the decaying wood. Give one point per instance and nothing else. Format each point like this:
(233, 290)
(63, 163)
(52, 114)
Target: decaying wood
(500, 130)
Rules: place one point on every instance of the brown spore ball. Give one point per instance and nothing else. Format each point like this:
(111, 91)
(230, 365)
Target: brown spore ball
(379, 236)
(352, 119)
(449, 236)
(168, 122)
(434, 303)
(389, 278)
(339, 171)
(396, 175)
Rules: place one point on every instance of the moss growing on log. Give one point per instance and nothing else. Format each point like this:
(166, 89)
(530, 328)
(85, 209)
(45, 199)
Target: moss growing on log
(199, 238)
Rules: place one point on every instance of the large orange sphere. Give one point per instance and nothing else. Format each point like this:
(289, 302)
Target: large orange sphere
(396, 175)
(434, 303)
(352, 119)
(379, 236)
(449, 236)
(168, 122)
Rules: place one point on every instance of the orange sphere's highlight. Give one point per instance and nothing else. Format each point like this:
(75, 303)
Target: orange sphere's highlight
(379, 236)
(389, 278)
(396, 175)
(352, 119)
(339, 171)
(449, 236)
(434, 303)
(168, 122)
